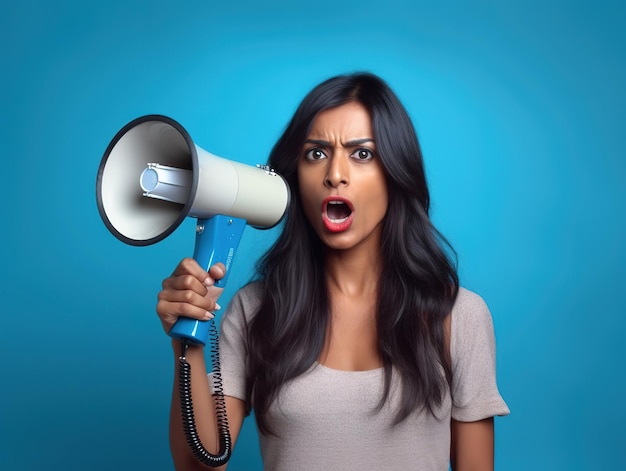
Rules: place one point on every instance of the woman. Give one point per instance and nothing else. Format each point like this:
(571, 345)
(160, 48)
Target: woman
(356, 348)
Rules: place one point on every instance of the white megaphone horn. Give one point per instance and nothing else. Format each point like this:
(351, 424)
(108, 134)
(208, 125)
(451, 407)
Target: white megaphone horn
(152, 176)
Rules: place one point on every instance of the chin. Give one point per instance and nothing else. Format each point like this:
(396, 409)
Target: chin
(339, 241)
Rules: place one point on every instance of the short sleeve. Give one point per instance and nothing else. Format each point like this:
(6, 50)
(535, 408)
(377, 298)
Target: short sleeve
(475, 394)
(233, 340)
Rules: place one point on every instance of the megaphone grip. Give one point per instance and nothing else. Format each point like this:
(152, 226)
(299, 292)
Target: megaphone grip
(217, 240)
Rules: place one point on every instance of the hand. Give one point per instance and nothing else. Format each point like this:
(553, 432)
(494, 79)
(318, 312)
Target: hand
(189, 292)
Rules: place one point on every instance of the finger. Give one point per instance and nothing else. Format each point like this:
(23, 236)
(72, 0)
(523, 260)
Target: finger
(187, 297)
(186, 283)
(173, 310)
(170, 312)
(188, 266)
(217, 271)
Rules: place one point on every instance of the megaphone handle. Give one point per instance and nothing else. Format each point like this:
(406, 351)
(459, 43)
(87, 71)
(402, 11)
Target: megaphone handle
(217, 239)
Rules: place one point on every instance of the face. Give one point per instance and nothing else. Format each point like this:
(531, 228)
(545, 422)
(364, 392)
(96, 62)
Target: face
(342, 182)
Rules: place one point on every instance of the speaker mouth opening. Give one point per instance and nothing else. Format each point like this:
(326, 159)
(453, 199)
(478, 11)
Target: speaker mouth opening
(129, 215)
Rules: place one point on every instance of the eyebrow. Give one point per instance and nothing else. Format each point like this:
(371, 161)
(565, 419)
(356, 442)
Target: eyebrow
(353, 143)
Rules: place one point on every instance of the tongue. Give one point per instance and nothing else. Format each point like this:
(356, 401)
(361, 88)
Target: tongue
(338, 211)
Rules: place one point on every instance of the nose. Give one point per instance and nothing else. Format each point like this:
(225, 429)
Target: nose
(337, 172)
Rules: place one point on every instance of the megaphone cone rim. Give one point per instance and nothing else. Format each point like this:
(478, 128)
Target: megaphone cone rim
(194, 185)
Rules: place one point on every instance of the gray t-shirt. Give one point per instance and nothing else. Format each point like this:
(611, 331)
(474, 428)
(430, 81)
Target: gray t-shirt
(328, 419)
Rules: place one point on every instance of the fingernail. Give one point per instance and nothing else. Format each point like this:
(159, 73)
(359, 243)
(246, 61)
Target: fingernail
(217, 307)
(208, 281)
(209, 315)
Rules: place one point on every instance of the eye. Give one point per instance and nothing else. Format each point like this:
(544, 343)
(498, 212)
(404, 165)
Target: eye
(314, 154)
(363, 153)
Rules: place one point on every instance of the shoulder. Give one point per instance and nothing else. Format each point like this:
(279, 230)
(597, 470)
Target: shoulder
(468, 303)
(470, 309)
(241, 309)
(249, 295)
(244, 304)
(470, 321)
(473, 349)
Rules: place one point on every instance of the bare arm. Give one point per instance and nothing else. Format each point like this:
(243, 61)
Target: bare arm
(471, 448)
(190, 292)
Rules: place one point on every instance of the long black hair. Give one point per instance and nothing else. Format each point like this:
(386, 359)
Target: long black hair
(418, 285)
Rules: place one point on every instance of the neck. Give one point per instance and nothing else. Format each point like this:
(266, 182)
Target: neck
(353, 272)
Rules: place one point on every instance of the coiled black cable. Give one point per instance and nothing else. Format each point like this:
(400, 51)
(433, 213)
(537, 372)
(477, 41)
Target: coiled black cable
(186, 406)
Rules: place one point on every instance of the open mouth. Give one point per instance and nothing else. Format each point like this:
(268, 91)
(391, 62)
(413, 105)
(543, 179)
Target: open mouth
(337, 211)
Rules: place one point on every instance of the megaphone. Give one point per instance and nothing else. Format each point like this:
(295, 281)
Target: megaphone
(152, 176)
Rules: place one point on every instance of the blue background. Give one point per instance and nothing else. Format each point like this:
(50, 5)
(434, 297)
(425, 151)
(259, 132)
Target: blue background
(520, 107)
